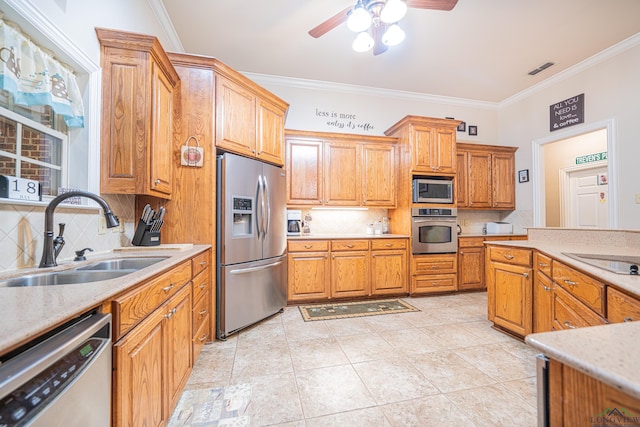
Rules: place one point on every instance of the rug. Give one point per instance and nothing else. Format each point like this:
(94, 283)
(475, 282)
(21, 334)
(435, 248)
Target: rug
(354, 309)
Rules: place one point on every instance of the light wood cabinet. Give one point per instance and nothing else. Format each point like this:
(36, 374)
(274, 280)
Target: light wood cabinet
(488, 180)
(249, 120)
(334, 169)
(471, 263)
(203, 301)
(586, 289)
(509, 288)
(621, 307)
(178, 323)
(308, 270)
(431, 141)
(569, 313)
(433, 273)
(542, 293)
(389, 266)
(138, 84)
(350, 268)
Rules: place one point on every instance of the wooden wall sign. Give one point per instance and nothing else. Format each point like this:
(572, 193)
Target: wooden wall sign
(566, 113)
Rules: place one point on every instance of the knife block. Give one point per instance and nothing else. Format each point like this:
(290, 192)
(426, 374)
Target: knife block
(144, 236)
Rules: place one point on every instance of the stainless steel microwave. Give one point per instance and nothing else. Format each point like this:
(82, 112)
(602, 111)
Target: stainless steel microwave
(432, 190)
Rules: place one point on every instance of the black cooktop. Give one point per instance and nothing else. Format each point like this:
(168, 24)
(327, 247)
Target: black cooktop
(620, 264)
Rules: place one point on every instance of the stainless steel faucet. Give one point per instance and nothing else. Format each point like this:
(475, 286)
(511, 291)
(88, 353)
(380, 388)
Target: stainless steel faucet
(50, 250)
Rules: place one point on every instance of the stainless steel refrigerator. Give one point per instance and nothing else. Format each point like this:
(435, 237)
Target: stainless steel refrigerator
(251, 256)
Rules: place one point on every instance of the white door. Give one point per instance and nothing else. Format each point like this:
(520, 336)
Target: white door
(587, 198)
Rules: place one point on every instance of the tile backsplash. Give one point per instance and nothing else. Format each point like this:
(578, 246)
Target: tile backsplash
(22, 229)
(342, 221)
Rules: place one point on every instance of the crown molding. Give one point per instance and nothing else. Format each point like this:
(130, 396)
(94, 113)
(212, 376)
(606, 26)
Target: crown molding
(165, 23)
(598, 58)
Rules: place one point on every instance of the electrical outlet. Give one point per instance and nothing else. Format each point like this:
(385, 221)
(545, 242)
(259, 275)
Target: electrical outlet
(638, 199)
(121, 227)
(102, 225)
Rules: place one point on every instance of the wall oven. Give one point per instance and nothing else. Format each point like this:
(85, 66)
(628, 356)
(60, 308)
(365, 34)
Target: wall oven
(434, 230)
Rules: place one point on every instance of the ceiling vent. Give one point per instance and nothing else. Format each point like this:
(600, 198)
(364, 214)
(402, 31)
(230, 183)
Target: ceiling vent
(541, 68)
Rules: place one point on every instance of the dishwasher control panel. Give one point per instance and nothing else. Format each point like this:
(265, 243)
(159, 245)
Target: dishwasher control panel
(17, 407)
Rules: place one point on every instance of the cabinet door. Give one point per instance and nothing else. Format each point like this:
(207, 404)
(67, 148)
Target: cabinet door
(511, 295)
(542, 302)
(444, 151)
(305, 172)
(471, 268)
(161, 144)
(139, 378)
(422, 156)
(342, 174)
(235, 117)
(379, 175)
(178, 329)
(504, 189)
(350, 274)
(308, 276)
(621, 307)
(480, 182)
(388, 272)
(462, 182)
(569, 313)
(270, 132)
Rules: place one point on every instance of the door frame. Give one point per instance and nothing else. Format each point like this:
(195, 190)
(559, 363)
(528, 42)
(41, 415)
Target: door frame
(564, 174)
(537, 176)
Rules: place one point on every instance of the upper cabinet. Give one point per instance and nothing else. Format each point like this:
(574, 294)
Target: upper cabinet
(431, 141)
(333, 169)
(249, 119)
(138, 84)
(488, 179)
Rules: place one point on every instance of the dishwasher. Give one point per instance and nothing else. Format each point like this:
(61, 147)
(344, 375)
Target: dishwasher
(64, 380)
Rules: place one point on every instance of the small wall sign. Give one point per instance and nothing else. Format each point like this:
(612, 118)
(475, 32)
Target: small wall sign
(590, 158)
(566, 113)
(12, 187)
(192, 155)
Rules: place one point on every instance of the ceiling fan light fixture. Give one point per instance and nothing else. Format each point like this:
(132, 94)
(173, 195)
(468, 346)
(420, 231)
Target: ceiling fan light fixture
(393, 11)
(359, 19)
(393, 36)
(363, 42)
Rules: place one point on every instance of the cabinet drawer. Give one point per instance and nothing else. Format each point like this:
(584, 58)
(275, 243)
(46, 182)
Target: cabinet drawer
(621, 307)
(511, 255)
(134, 306)
(378, 244)
(349, 245)
(434, 264)
(433, 283)
(470, 242)
(307, 245)
(569, 313)
(200, 337)
(200, 262)
(201, 284)
(542, 263)
(200, 311)
(583, 287)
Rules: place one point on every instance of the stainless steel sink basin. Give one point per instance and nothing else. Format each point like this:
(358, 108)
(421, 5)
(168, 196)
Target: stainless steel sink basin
(616, 263)
(122, 264)
(67, 277)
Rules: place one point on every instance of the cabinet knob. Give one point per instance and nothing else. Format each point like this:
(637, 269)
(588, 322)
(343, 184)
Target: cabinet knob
(203, 312)
(568, 324)
(628, 319)
(525, 274)
(203, 263)
(546, 288)
(157, 181)
(388, 245)
(168, 288)
(543, 264)
(349, 245)
(202, 338)
(508, 256)
(308, 246)
(570, 282)
(461, 252)
(202, 285)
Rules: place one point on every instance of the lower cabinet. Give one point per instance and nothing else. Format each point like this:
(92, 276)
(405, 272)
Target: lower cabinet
(621, 307)
(569, 313)
(433, 273)
(152, 364)
(471, 263)
(323, 269)
(542, 293)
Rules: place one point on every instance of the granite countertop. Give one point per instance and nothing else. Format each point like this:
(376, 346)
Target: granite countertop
(29, 311)
(347, 236)
(613, 359)
(488, 236)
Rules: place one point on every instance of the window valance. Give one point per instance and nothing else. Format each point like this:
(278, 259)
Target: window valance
(35, 77)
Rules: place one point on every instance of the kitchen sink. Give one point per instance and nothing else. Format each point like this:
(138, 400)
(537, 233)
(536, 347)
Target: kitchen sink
(68, 277)
(620, 264)
(122, 264)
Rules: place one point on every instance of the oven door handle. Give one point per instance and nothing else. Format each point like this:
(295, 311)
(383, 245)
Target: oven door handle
(418, 221)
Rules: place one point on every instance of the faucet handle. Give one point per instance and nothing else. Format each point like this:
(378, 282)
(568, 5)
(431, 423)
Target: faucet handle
(61, 225)
(80, 254)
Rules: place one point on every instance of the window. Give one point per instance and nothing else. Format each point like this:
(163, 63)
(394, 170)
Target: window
(33, 149)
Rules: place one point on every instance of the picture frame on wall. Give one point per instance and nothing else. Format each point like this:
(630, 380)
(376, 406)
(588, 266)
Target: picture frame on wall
(473, 130)
(462, 127)
(523, 175)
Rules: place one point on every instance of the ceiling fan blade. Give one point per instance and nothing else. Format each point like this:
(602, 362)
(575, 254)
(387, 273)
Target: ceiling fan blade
(378, 46)
(432, 4)
(330, 23)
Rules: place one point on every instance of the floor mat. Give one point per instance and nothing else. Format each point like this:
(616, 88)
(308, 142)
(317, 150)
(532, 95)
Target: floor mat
(354, 309)
(213, 407)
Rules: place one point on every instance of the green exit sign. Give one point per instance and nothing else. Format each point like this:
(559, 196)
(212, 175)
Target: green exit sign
(589, 158)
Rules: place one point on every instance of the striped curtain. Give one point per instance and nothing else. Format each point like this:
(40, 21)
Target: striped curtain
(34, 77)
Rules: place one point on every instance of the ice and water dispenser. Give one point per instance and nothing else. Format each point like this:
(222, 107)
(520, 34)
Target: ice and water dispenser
(242, 216)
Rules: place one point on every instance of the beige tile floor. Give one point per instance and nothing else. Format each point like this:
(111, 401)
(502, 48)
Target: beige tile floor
(441, 366)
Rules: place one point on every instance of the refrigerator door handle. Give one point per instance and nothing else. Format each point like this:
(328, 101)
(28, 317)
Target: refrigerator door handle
(252, 269)
(267, 206)
(259, 210)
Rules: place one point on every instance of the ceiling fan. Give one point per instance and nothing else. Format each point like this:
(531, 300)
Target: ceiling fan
(381, 26)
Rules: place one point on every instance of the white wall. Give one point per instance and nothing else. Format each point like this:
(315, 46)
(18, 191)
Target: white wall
(612, 91)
